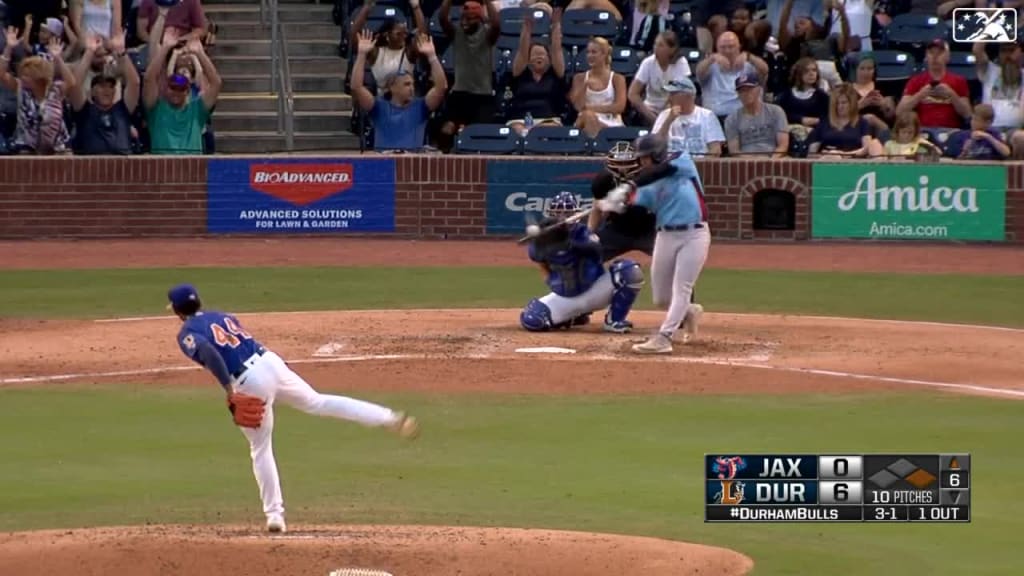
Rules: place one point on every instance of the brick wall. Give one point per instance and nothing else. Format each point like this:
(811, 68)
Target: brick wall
(435, 196)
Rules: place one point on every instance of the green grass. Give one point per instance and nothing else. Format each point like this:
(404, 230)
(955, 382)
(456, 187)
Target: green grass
(136, 454)
(106, 293)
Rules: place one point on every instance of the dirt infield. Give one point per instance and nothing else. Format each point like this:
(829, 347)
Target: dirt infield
(479, 351)
(318, 550)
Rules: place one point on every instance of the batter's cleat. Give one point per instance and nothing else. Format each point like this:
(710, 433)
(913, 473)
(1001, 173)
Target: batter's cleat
(406, 426)
(691, 322)
(657, 344)
(275, 524)
(581, 320)
(620, 327)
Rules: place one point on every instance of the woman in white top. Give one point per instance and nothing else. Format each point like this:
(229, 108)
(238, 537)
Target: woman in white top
(392, 51)
(599, 94)
(647, 92)
(96, 17)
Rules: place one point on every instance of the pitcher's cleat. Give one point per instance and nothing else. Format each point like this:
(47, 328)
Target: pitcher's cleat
(275, 524)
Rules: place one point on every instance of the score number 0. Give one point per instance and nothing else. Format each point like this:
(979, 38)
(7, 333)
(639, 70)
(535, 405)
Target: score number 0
(837, 469)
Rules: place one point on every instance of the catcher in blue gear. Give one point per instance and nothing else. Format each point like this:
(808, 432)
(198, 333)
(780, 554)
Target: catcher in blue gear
(570, 257)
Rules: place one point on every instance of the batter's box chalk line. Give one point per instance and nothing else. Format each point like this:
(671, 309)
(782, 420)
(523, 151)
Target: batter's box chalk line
(545, 350)
(358, 572)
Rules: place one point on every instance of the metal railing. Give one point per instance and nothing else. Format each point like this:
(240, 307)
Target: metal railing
(280, 72)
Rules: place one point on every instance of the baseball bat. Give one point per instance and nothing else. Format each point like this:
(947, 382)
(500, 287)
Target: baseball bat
(570, 220)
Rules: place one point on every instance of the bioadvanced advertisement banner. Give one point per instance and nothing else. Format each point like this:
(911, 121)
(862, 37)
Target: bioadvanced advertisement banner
(301, 196)
(909, 201)
(516, 188)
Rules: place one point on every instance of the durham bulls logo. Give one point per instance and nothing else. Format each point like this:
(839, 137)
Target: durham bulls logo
(727, 467)
(731, 494)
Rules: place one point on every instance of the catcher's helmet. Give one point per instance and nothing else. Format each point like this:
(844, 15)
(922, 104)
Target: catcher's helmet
(652, 145)
(621, 161)
(563, 205)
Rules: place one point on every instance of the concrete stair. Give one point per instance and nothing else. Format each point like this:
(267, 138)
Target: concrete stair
(246, 118)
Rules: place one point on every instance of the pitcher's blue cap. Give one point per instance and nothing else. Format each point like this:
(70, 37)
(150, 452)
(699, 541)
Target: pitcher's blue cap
(182, 294)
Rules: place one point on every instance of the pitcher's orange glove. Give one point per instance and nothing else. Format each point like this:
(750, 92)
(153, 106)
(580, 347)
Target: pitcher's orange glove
(247, 411)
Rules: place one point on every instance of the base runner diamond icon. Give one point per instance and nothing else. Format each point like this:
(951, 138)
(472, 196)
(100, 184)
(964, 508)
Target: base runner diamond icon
(985, 25)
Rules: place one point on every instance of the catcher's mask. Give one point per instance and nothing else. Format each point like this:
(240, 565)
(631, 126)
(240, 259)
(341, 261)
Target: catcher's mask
(563, 205)
(622, 162)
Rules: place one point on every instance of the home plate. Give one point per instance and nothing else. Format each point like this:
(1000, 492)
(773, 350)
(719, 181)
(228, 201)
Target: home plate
(546, 350)
(328, 350)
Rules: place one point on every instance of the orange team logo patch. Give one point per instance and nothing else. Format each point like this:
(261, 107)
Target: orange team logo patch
(300, 184)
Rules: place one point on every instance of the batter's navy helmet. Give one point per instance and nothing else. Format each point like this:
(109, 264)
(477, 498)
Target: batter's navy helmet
(652, 145)
(184, 299)
(563, 205)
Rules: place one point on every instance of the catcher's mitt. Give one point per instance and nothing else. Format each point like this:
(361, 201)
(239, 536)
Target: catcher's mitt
(247, 411)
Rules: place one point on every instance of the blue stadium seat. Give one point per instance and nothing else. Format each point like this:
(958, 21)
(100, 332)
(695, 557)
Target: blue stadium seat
(454, 15)
(555, 140)
(579, 26)
(512, 21)
(965, 64)
(487, 139)
(579, 63)
(911, 32)
(625, 61)
(381, 14)
(893, 68)
(607, 137)
(509, 43)
(938, 136)
(693, 57)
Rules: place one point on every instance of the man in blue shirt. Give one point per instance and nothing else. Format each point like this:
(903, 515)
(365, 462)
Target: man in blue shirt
(218, 342)
(400, 117)
(671, 188)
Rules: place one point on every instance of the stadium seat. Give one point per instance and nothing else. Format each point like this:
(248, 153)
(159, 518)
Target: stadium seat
(938, 136)
(506, 42)
(512, 21)
(607, 137)
(625, 61)
(894, 68)
(454, 15)
(380, 14)
(555, 140)
(965, 64)
(579, 26)
(678, 7)
(579, 63)
(911, 32)
(487, 139)
(693, 57)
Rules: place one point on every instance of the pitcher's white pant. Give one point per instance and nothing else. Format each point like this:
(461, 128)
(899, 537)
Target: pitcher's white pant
(678, 258)
(271, 379)
(597, 297)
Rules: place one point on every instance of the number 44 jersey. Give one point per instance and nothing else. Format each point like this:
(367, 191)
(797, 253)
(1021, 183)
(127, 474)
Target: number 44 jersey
(225, 332)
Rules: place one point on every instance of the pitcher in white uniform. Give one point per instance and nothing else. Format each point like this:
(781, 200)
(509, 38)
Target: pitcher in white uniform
(671, 188)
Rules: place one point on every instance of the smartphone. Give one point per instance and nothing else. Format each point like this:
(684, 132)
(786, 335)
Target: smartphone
(934, 83)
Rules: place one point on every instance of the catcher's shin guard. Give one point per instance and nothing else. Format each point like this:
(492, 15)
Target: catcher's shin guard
(627, 279)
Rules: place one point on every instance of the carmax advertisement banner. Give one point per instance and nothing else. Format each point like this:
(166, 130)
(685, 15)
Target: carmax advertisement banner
(516, 188)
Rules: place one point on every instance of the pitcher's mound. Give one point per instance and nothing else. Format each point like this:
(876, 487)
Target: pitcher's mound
(319, 550)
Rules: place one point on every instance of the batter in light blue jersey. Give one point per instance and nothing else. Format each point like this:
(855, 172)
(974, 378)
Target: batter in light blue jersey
(672, 189)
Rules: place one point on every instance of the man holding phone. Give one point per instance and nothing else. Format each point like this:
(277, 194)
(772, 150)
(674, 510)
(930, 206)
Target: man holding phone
(940, 97)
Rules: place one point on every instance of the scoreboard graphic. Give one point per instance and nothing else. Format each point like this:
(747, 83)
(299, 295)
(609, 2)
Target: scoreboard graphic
(837, 488)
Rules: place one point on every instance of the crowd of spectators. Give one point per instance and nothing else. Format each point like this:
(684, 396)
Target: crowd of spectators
(106, 77)
(727, 77)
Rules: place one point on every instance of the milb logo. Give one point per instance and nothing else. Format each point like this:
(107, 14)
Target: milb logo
(985, 25)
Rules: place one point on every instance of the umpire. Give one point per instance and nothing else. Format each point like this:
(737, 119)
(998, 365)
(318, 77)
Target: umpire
(635, 228)
(631, 230)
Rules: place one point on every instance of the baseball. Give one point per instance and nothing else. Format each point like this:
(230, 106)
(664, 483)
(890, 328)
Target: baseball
(533, 230)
